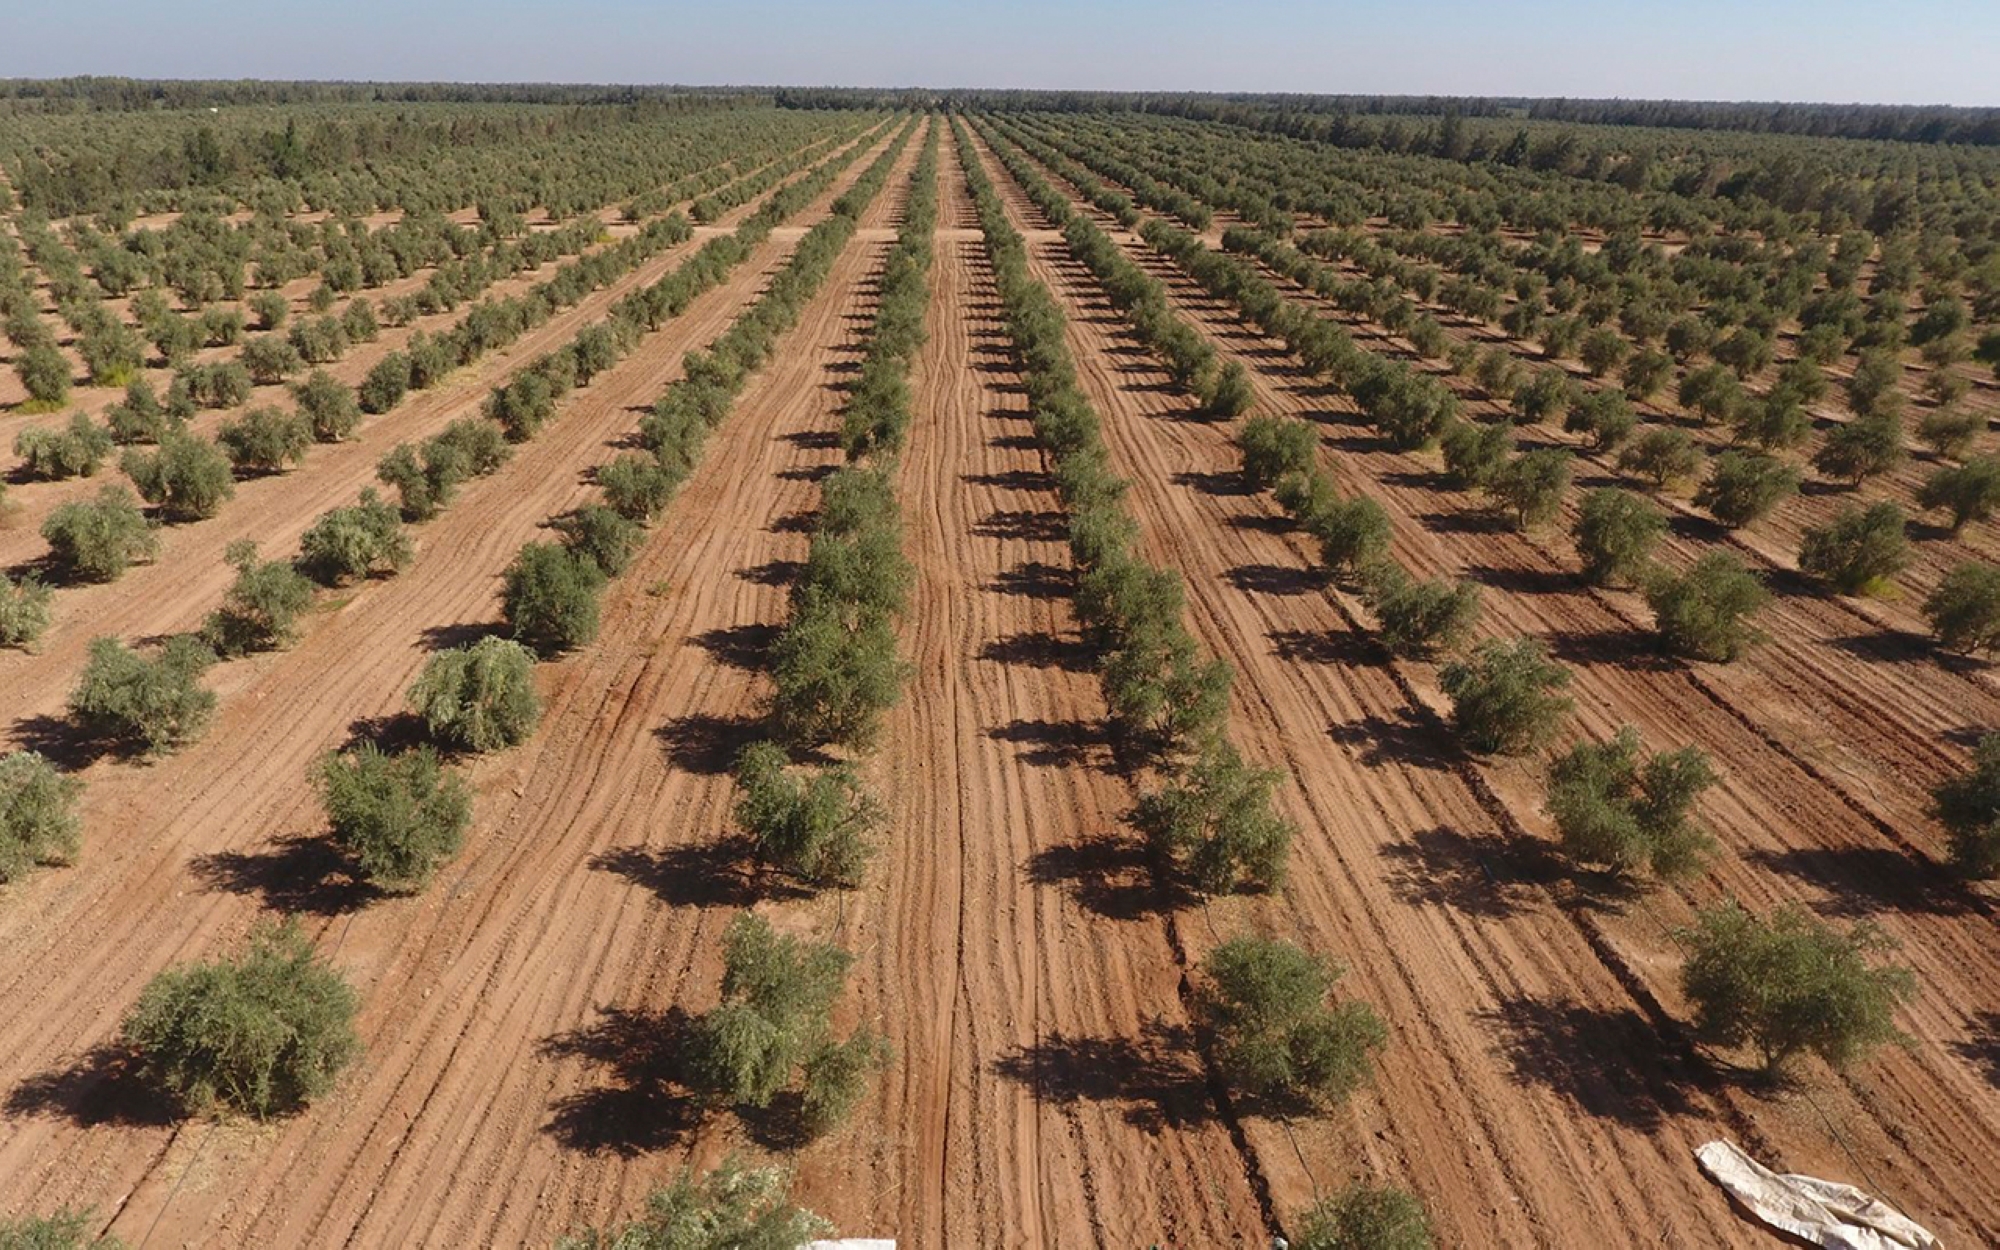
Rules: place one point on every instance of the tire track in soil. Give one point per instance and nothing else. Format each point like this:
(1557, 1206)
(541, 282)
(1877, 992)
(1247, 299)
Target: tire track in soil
(994, 987)
(95, 933)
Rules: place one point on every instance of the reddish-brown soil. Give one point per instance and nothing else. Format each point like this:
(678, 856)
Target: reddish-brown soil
(1539, 1088)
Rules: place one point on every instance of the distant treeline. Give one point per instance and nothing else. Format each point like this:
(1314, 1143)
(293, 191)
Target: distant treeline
(139, 94)
(1904, 123)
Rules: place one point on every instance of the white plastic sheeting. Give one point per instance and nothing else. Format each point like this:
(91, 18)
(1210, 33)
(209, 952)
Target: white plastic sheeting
(1823, 1213)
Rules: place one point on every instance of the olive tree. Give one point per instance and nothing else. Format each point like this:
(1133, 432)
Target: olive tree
(1964, 610)
(1211, 822)
(39, 823)
(187, 477)
(550, 597)
(1859, 551)
(263, 1033)
(1969, 492)
(1277, 1034)
(1704, 613)
(479, 697)
(1615, 806)
(1506, 697)
(1745, 486)
(348, 544)
(1615, 533)
(262, 606)
(399, 816)
(817, 825)
(1968, 806)
(1364, 1217)
(1790, 984)
(157, 704)
(98, 539)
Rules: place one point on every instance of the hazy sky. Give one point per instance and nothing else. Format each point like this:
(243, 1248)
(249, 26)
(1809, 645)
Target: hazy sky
(1899, 51)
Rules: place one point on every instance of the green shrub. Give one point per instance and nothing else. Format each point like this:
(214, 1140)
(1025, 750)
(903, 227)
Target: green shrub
(265, 440)
(1964, 610)
(270, 308)
(1474, 452)
(1861, 449)
(330, 409)
(480, 697)
(1616, 532)
(773, 1025)
(158, 704)
(523, 406)
(1421, 618)
(550, 598)
(45, 372)
(1604, 417)
(1744, 486)
(1661, 455)
(1506, 697)
(1211, 822)
(1275, 446)
(24, 610)
(818, 828)
(97, 540)
(399, 816)
(1532, 485)
(1775, 421)
(1712, 393)
(1968, 806)
(731, 1208)
(1613, 807)
(1950, 431)
(1859, 551)
(1352, 533)
(637, 487)
(76, 450)
(348, 544)
(269, 359)
(1276, 1036)
(264, 1033)
(38, 818)
(1790, 985)
(65, 1230)
(833, 679)
(1305, 497)
(1364, 1217)
(386, 384)
(138, 418)
(601, 536)
(1601, 350)
(1969, 491)
(479, 445)
(1544, 397)
(1704, 613)
(187, 477)
(262, 606)
(424, 486)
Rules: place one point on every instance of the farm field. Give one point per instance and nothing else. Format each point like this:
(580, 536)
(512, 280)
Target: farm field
(923, 586)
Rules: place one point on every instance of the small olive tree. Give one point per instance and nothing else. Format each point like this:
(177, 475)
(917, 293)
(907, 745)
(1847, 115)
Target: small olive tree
(1616, 532)
(263, 1033)
(261, 608)
(1964, 610)
(399, 816)
(1364, 1217)
(98, 539)
(1859, 551)
(1705, 613)
(480, 697)
(157, 704)
(1614, 806)
(550, 597)
(1790, 984)
(1211, 822)
(817, 825)
(1968, 806)
(38, 818)
(1506, 697)
(1276, 1034)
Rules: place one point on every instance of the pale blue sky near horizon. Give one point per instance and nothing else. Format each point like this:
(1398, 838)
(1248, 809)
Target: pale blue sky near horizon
(1914, 52)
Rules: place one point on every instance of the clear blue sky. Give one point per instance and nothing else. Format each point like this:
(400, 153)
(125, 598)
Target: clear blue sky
(1895, 51)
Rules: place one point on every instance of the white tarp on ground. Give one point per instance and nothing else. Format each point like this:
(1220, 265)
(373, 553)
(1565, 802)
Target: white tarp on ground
(1824, 1213)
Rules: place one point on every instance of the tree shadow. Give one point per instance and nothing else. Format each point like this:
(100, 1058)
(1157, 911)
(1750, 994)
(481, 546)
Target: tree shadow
(303, 874)
(1013, 479)
(1491, 878)
(738, 646)
(1263, 522)
(1632, 649)
(1409, 741)
(106, 1085)
(1156, 1076)
(462, 634)
(1035, 579)
(1109, 875)
(813, 440)
(802, 522)
(707, 744)
(1982, 1045)
(1466, 521)
(1031, 525)
(1599, 1060)
(1524, 581)
(1896, 646)
(1054, 743)
(1014, 442)
(396, 731)
(722, 873)
(1040, 649)
(807, 473)
(1222, 485)
(66, 744)
(1276, 579)
(1326, 646)
(1865, 880)
(773, 572)
(641, 1110)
